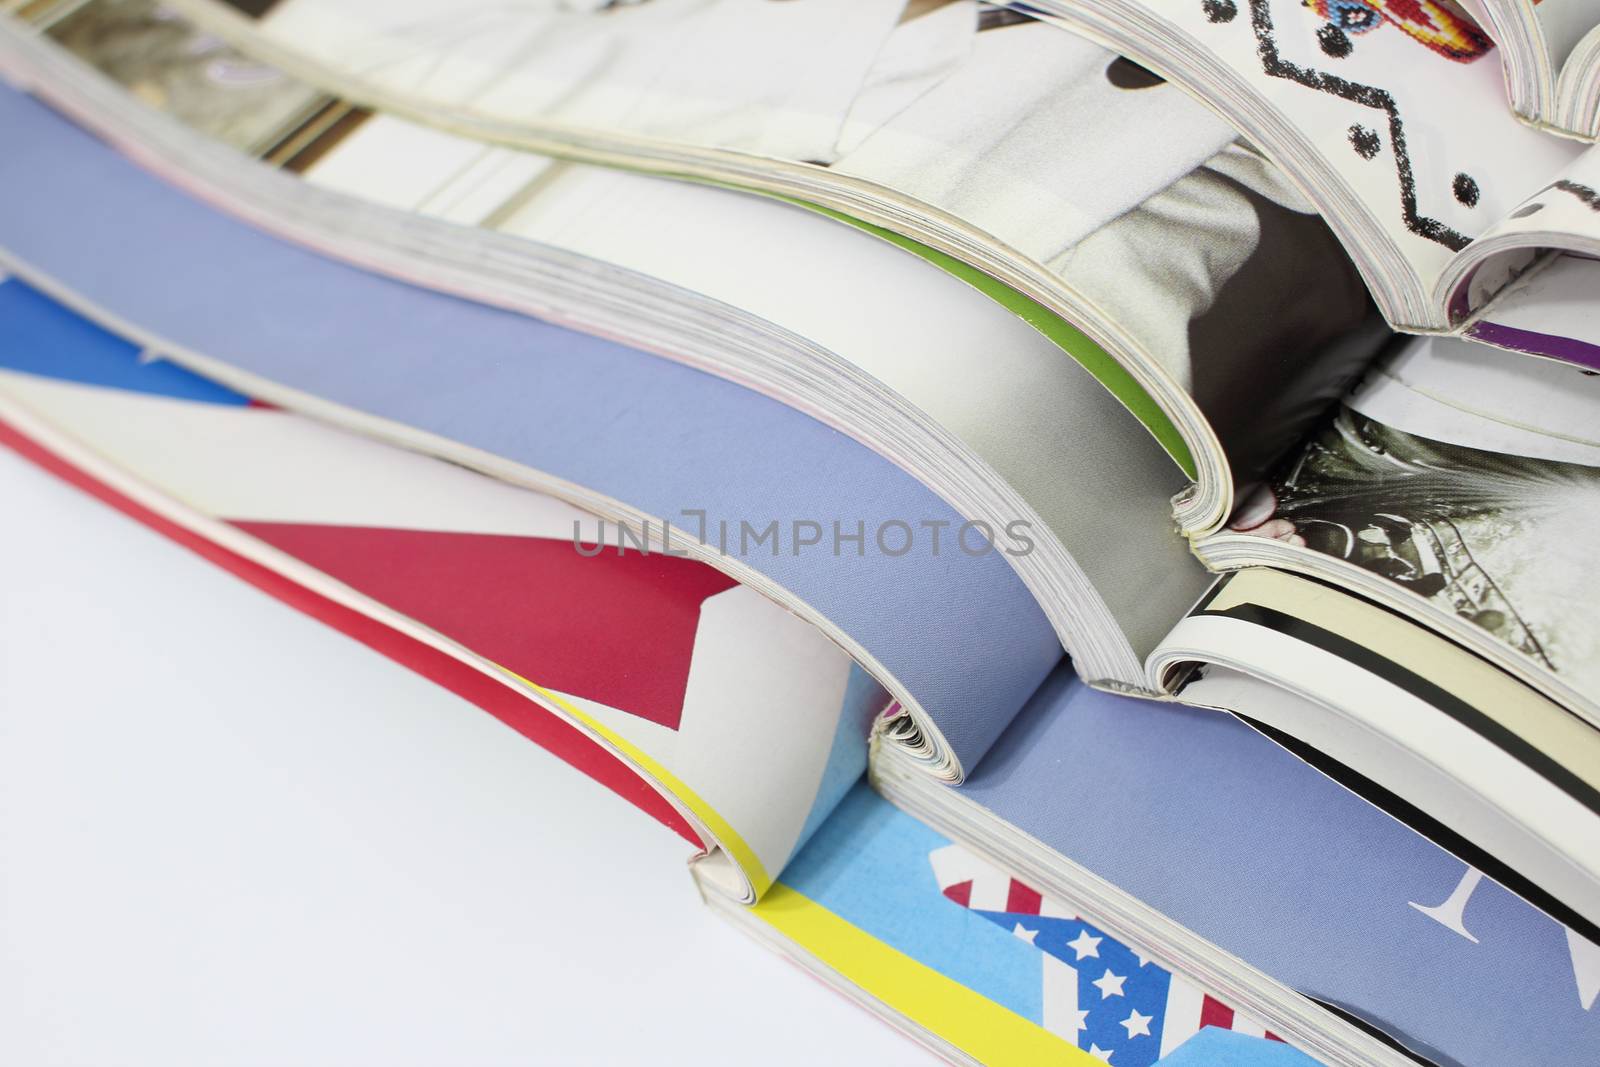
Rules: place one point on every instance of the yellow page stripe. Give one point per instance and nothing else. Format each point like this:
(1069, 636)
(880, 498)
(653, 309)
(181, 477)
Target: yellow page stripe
(986, 1031)
(725, 834)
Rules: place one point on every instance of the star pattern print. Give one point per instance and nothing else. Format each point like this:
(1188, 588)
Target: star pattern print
(1116, 1003)
(1120, 1003)
(1084, 946)
(1110, 985)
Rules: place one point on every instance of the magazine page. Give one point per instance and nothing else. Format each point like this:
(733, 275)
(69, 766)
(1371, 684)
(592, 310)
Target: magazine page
(1040, 423)
(990, 968)
(1062, 165)
(1192, 824)
(534, 593)
(1029, 153)
(223, 94)
(1212, 269)
(1560, 215)
(615, 431)
(1118, 187)
(1548, 311)
(1037, 138)
(1577, 108)
(1561, 25)
(1465, 483)
(1505, 778)
(1392, 119)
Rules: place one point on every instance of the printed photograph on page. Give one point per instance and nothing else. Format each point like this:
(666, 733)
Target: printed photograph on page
(1497, 540)
(194, 76)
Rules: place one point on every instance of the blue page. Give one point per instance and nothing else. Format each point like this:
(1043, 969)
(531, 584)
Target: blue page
(895, 879)
(1223, 831)
(960, 632)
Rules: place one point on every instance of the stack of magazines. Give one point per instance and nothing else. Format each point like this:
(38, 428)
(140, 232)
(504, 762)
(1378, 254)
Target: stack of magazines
(1079, 512)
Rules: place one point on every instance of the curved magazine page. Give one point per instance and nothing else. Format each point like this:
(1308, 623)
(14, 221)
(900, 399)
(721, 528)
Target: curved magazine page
(527, 717)
(1525, 61)
(1578, 89)
(1547, 311)
(1561, 26)
(952, 387)
(1203, 836)
(1038, 194)
(1458, 486)
(1515, 776)
(642, 437)
(1561, 215)
(1096, 487)
(980, 966)
(1393, 121)
(660, 659)
(909, 62)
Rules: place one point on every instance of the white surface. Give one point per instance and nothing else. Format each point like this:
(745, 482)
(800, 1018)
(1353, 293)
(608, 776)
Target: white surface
(233, 836)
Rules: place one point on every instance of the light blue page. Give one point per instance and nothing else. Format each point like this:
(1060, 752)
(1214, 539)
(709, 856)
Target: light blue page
(1217, 827)
(961, 632)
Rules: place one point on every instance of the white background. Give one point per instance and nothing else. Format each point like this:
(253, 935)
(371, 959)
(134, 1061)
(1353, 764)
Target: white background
(230, 835)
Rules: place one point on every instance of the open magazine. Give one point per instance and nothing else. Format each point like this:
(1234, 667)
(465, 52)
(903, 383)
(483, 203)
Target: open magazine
(1421, 669)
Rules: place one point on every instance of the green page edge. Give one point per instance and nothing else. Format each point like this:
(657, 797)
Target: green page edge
(1067, 337)
(1074, 342)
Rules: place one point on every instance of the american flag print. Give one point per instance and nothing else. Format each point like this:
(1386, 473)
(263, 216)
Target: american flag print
(1113, 1002)
(639, 668)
